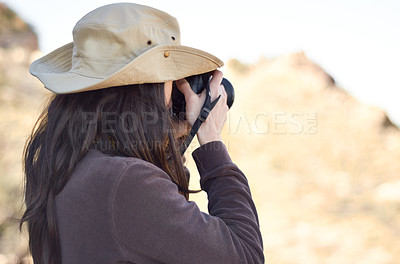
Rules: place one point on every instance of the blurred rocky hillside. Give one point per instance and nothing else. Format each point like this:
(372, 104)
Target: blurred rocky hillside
(324, 168)
(15, 32)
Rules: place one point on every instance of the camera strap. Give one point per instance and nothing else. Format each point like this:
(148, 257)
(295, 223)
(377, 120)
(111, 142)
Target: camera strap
(204, 112)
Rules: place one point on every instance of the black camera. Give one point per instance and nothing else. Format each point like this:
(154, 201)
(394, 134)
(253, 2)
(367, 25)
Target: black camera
(198, 83)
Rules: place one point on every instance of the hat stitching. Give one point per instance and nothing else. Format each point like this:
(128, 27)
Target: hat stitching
(91, 77)
(55, 53)
(97, 60)
(125, 26)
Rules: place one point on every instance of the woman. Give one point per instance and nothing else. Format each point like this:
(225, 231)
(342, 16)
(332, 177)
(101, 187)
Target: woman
(105, 181)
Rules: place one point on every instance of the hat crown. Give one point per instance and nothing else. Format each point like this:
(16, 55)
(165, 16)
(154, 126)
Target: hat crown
(113, 35)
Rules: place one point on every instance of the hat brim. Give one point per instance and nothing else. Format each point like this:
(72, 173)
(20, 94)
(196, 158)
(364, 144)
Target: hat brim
(53, 70)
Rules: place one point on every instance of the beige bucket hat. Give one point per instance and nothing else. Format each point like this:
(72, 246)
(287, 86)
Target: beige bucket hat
(121, 44)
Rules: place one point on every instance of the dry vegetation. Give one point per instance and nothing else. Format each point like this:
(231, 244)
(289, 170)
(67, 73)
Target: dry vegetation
(323, 167)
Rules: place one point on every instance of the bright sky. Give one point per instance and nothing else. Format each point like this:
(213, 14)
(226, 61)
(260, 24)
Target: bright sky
(355, 41)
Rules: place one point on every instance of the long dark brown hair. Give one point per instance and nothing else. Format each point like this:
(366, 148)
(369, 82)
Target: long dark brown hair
(130, 121)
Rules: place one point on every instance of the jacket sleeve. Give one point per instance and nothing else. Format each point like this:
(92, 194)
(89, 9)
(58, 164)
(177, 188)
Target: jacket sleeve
(151, 220)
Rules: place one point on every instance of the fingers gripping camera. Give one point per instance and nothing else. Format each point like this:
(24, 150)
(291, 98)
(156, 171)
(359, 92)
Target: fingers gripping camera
(197, 83)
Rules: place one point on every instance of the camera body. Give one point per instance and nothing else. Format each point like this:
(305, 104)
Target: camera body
(198, 83)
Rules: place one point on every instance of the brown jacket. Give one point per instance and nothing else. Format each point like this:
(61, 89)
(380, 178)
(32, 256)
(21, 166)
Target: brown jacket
(126, 210)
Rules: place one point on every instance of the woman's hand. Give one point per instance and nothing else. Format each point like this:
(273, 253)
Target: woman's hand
(210, 129)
